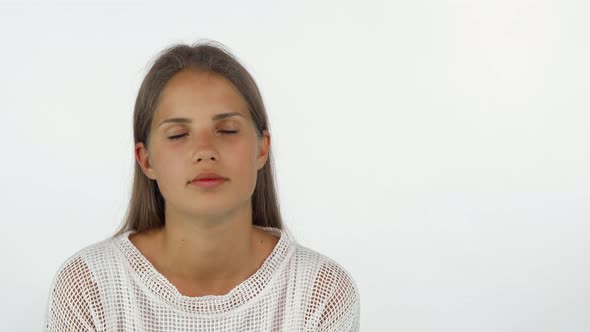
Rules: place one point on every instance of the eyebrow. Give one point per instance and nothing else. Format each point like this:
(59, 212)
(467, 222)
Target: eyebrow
(219, 116)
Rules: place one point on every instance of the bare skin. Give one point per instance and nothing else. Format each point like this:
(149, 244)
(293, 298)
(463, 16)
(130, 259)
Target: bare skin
(208, 244)
(150, 245)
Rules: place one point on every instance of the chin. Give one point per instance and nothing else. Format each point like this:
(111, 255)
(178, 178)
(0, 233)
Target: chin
(210, 209)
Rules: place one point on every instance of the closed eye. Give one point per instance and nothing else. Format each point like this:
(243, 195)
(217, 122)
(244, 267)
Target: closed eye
(173, 138)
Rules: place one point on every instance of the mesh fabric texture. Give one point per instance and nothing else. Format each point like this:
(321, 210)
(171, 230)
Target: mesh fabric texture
(111, 286)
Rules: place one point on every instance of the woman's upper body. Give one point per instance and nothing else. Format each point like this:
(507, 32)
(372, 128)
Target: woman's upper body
(193, 253)
(112, 286)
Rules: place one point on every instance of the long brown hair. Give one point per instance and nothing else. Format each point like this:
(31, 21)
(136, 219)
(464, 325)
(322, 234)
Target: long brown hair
(146, 205)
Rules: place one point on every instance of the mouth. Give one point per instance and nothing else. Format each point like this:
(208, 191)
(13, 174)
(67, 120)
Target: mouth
(208, 176)
(208, 182)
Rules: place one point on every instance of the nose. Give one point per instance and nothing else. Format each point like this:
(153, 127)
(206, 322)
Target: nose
(199, 159)
(204, 149)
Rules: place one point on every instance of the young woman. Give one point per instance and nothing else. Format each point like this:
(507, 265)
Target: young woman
(203, 247)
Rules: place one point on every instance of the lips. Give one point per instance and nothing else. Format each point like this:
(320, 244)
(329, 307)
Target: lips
(208, 176)
(208, 180)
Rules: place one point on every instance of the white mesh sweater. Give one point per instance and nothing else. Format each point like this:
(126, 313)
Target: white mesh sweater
(111, 286)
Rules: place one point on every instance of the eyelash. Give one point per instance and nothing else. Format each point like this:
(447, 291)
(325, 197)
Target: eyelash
(230, 132)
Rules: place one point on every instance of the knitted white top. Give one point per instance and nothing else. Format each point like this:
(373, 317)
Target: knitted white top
(111, 286)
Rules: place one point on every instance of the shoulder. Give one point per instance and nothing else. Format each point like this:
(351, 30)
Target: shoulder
(88, 258)
(334, 296)
(330, 273)
(74, 292)
(81, 271)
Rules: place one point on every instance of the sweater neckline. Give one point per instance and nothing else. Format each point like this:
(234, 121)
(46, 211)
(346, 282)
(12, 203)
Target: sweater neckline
(159, 286)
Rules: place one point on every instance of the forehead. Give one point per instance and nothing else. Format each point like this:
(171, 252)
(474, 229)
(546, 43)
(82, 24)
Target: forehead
(192, 93)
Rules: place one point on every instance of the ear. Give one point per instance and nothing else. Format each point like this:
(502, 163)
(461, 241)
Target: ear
(142, 157)
(263, 147)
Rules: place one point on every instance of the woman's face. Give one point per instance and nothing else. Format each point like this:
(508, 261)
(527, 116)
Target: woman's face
(197, 142)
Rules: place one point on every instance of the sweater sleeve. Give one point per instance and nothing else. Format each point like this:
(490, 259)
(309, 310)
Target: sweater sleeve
(341, 311)
(71, 298)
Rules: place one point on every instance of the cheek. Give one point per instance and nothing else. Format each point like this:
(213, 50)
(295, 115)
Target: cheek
(169, 168)
(243, 160)
(248, 155)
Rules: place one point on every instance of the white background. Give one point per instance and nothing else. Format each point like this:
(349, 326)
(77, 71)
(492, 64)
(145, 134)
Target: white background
(438, 150)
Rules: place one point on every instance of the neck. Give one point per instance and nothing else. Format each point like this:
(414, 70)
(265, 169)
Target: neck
(208, 250)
